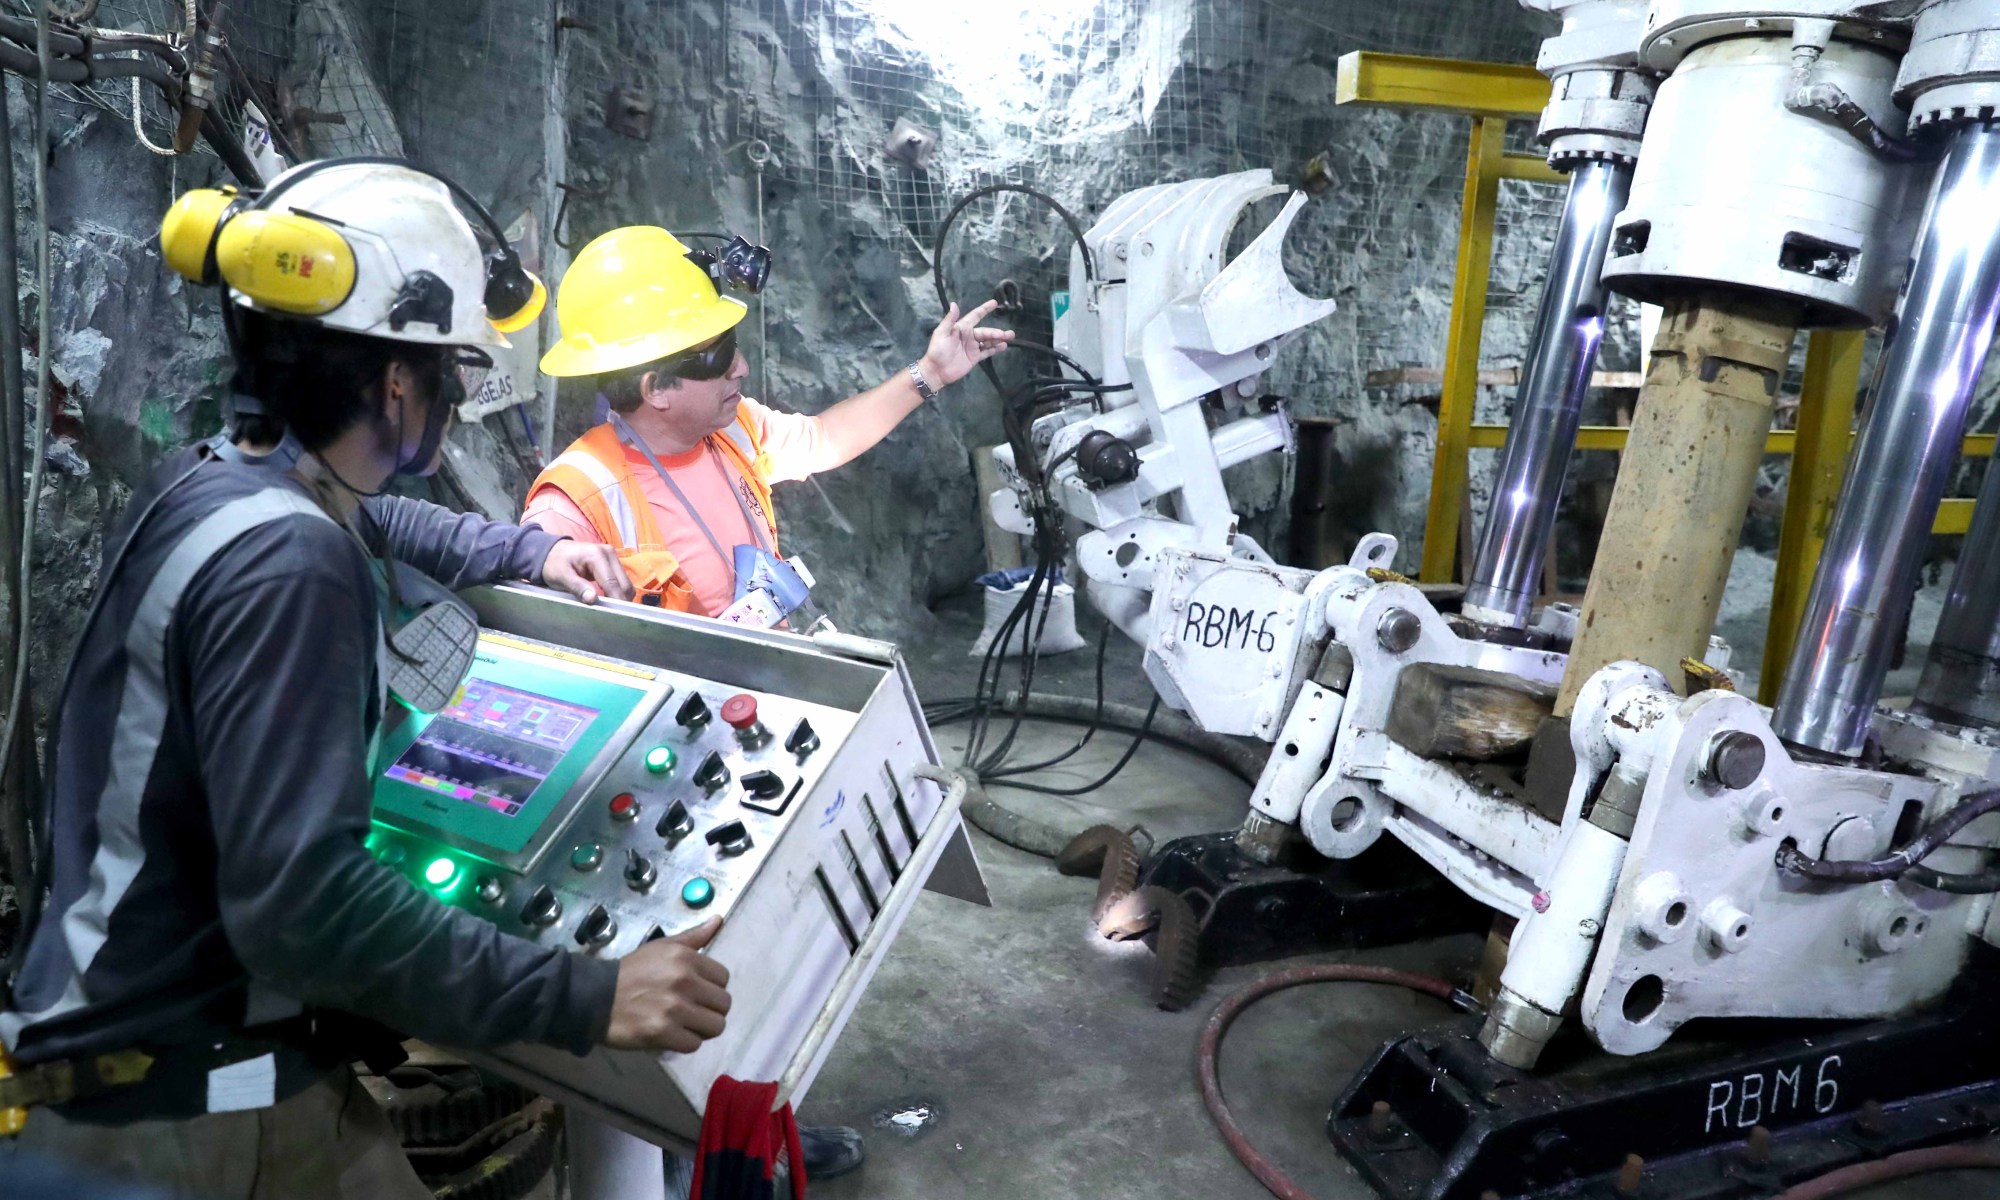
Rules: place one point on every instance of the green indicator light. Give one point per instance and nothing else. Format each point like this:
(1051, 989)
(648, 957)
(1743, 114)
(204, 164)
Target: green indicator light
(660, 760)
(697, 892)
(440, 872)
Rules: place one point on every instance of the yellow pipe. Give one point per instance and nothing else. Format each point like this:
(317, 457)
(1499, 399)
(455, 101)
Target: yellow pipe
(1461, 359)
(1819, 462)
(1470, 89)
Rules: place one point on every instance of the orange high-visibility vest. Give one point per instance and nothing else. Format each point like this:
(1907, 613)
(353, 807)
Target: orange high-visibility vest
(598, 477)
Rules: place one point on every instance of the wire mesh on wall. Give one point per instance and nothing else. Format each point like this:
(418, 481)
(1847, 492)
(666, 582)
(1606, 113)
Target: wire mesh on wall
(888, 110)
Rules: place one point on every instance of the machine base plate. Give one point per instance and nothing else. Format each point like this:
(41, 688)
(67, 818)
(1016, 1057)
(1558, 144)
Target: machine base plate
(1742, 1109)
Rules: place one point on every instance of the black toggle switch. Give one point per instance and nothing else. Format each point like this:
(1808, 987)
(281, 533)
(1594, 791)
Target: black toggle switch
(764, 785)
(597, 928)
(639, 871)
(712, 773)
(729, 838)
(802, 740)
(693, 712)
(675, 823)
(544, 907)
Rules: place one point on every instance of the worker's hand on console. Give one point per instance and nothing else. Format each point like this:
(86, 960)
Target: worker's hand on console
(670, 995)
(959, 344)
(586, 570)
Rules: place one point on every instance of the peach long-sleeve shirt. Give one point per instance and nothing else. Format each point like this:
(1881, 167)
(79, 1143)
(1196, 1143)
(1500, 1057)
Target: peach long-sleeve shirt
(796, 446)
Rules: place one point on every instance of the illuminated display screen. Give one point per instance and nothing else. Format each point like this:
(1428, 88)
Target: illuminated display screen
(492, 747)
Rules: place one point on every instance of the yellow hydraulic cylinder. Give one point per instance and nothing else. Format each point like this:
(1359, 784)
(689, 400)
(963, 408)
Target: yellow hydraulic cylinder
(1683, 487)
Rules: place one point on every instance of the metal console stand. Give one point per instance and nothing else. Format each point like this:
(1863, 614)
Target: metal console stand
(1752, 1109)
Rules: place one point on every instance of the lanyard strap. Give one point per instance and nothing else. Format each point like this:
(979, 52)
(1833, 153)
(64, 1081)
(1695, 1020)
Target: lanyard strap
(755, 525)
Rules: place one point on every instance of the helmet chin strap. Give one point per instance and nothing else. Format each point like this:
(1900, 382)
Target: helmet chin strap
(450, 392)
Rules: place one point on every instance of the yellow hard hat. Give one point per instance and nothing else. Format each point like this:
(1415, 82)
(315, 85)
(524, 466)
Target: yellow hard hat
(632, 297)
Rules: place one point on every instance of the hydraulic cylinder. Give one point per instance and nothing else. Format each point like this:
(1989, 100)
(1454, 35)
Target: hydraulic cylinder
(1541, 435)
(1909, 443)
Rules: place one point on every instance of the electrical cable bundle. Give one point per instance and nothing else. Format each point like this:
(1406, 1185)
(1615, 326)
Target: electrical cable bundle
(986, 753)
(84, 56)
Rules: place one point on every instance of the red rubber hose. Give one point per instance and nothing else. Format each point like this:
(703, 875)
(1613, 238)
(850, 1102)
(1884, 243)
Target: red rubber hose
(1896, 1166)
(1208, 1074)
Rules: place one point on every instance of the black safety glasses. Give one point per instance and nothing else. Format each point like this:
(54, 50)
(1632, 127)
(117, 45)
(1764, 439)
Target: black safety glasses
(712, 362)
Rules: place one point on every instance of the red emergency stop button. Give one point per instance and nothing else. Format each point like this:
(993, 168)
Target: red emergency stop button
(624, 806)
(740, 710)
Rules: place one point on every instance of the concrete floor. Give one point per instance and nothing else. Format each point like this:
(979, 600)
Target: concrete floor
(1050, 1072)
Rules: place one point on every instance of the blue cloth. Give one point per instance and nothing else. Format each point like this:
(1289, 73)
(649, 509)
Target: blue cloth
(1003, 580)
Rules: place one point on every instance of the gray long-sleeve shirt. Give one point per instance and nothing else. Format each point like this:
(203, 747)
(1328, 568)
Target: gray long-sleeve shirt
(209, 811)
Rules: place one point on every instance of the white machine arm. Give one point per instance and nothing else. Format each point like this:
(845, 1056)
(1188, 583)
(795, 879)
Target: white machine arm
(1185, 338)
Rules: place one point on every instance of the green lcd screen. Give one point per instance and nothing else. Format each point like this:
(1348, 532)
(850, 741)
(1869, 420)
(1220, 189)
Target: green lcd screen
(489, 769)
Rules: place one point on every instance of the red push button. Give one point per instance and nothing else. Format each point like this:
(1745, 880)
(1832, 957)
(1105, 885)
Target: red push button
(740, 710)
(624, 806)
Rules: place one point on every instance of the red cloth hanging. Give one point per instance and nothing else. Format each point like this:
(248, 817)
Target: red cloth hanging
(741, 1138)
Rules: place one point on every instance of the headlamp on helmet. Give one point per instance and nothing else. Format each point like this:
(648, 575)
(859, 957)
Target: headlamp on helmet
(738, 264)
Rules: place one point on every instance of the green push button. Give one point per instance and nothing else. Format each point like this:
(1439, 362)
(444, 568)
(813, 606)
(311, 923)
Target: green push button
(660, 760)
(697, 892)
(440, 872)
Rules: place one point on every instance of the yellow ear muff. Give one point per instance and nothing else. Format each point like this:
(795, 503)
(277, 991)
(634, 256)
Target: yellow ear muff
(524, 316)
(286, 261)
(187, 232)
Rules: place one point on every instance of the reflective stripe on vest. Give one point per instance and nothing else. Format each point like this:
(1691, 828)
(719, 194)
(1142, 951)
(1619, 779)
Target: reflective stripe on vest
(137, 727)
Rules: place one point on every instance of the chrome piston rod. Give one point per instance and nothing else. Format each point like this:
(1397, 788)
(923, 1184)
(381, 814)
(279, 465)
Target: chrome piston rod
(1961, 681)
(1909, 442)
(1520, 521)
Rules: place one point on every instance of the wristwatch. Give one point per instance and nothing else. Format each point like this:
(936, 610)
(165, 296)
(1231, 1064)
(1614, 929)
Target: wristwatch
(924, 388)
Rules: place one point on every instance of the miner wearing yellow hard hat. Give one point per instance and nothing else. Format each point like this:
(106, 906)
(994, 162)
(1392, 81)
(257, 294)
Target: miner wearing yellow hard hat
(678, 477)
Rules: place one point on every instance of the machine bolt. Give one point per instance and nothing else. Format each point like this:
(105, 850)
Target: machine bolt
(1757, 1148)
(1631, 1173)
(1735, 759)
(1179, 603)
(1381, 1121)
(1868, 1118)
(1398, 630)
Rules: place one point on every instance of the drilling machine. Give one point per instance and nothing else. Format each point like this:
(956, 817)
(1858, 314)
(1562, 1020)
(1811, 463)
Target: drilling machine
(1807, 882)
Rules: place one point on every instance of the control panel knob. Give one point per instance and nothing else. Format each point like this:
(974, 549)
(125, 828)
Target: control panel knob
(586, 857)
(488, 890)
(693, 712)
(803, 740)
(675, 823)
(729, 838)
(740, 711)
(597, 928)
(624, 807)
(764, 785)
(712, 773)
(544, 907)
(639, 871)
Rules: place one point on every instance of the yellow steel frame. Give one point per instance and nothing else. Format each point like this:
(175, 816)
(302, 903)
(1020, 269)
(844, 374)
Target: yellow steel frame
(1491, 94)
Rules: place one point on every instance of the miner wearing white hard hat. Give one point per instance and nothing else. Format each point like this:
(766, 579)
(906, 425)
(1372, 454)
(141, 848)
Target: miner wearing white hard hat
(217, 941)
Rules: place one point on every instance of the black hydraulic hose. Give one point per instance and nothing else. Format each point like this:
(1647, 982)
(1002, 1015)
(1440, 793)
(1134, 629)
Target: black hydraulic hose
(1969, 809)
(1979, 883)
(230, 151)
(1171, 728)
(22, 30)
(1089, 731)
(1082, 789)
